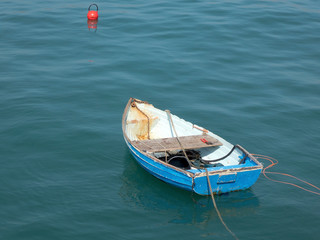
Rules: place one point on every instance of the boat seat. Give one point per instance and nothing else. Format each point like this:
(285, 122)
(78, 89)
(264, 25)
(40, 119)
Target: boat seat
(170, 144)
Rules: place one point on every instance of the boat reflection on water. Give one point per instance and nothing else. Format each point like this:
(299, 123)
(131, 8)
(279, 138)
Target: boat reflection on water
(141, 190)
(92, 25)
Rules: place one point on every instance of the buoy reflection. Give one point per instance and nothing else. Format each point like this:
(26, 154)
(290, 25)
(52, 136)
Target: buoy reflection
(92, 25)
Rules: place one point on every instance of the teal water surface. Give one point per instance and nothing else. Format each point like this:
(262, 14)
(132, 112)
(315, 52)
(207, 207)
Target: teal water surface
(247, 70)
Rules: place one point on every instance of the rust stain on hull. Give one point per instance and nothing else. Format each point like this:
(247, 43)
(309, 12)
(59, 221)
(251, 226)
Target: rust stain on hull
(141, 122)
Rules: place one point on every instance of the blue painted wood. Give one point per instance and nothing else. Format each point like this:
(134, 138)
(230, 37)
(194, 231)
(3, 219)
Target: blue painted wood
(241, 178)
(229, 178)
(161, 171)
(242, 181)
(234, 176)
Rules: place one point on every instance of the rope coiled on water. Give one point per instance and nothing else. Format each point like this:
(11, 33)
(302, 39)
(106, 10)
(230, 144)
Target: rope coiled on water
(275, 162)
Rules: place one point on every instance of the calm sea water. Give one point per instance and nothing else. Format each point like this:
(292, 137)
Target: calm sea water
(247, 70)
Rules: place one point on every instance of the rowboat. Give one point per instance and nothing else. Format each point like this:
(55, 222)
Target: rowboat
(186, 155)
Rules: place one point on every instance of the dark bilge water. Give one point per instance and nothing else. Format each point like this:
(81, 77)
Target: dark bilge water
(247, 70)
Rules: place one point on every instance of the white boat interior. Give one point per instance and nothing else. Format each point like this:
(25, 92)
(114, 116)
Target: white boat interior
(155, 131)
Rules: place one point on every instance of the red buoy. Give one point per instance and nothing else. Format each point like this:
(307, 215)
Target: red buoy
(92, 14)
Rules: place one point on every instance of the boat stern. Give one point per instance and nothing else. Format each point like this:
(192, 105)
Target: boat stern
(228, 179)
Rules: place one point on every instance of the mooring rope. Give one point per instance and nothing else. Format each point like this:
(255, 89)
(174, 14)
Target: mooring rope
(209, 184)
(177, 137)
(217, 210)
(275, 162)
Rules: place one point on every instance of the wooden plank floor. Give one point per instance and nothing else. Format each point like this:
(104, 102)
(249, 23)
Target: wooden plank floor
(169, 144)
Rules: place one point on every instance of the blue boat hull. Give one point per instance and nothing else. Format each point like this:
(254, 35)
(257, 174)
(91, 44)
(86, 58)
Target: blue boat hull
(223, 179)
(223, 183)
(161, 171)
